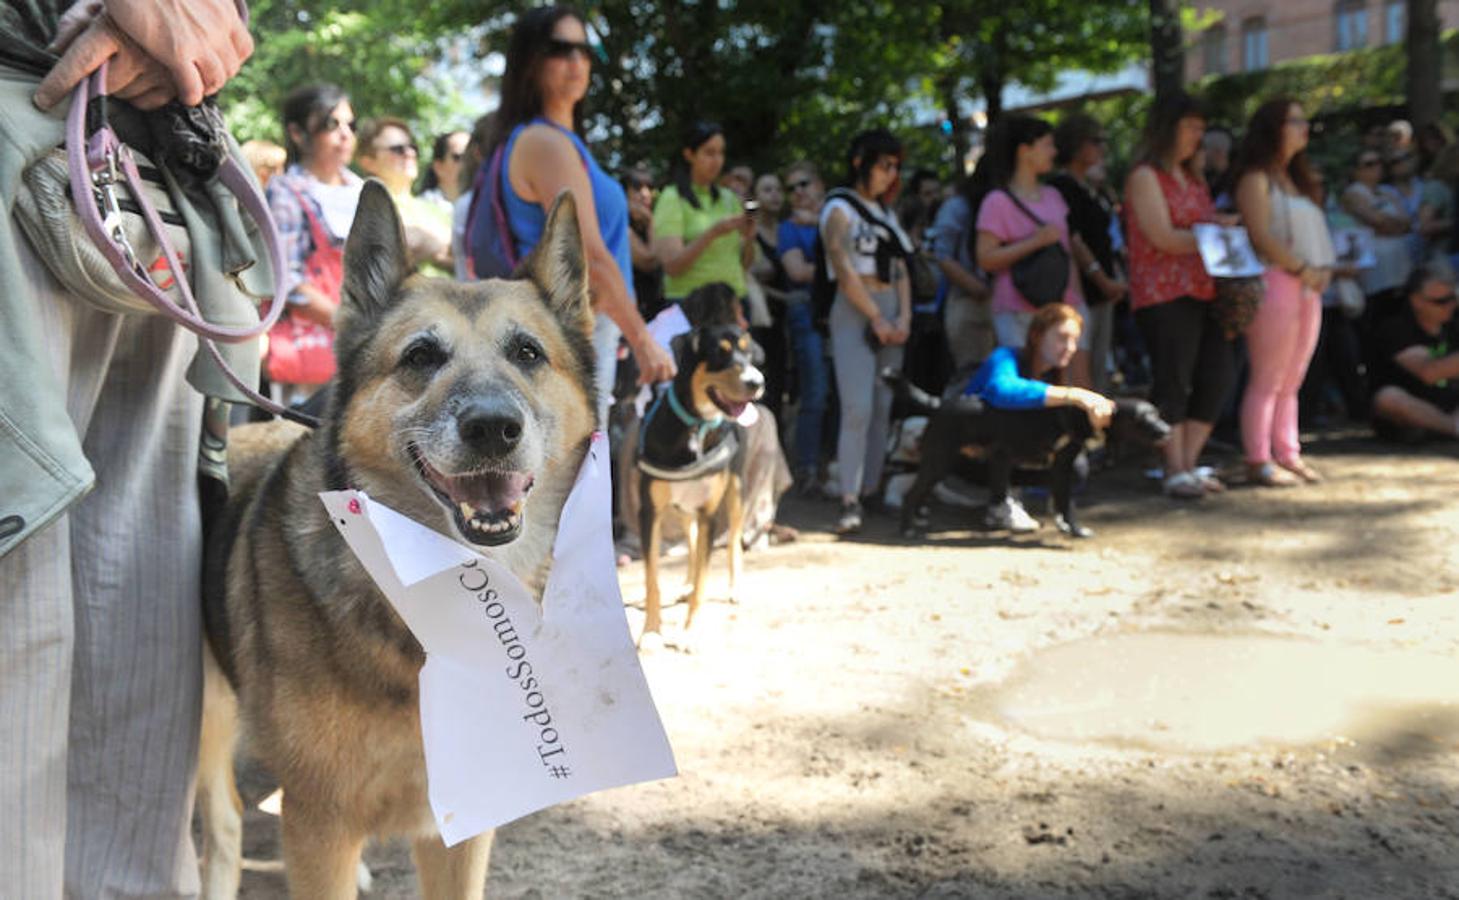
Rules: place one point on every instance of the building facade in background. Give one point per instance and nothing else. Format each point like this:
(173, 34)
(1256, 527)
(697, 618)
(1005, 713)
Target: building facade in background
(1257, 34)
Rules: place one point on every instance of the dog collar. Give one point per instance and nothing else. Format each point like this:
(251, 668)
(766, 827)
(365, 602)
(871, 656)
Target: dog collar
(687, 417)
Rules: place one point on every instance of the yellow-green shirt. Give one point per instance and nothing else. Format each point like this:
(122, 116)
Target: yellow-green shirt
(720, 261)
(417, 212)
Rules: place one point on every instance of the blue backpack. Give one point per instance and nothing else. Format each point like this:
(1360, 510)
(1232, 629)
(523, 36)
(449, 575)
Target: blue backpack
(491, 251)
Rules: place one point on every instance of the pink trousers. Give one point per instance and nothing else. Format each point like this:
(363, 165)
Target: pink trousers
(1280, 342)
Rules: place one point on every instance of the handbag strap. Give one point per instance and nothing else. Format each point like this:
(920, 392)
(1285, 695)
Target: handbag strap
(96, 165)
(1026, 211)
(317, 232)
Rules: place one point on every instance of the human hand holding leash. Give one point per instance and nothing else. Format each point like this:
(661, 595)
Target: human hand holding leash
(654, 362)
(203, 43)
(159, 50)
(85, 38)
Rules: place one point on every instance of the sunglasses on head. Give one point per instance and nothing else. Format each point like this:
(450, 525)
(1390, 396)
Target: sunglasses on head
(557, 48)
(402, 149)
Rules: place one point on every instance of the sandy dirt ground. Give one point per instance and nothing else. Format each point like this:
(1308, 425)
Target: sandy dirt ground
(884, 719)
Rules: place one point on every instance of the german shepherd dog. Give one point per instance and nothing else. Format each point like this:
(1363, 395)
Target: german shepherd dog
(962, 431)
(467, 407)
(691, 451)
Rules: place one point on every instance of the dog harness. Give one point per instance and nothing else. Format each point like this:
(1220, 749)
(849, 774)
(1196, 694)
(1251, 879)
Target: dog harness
(703, 463)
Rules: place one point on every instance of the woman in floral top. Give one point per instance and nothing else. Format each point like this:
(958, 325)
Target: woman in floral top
(1171, 293)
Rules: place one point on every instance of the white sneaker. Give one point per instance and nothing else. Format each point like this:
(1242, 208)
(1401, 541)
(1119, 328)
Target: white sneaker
(1010, 516)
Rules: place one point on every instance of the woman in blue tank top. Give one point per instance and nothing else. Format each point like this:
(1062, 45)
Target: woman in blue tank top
(546, 78)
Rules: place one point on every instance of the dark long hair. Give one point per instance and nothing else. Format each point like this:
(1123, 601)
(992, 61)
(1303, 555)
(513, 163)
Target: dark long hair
(1261, 149)
(439, 148)
(1162, 130)
(521, 98)
(308, 107)
(697, 136)
(1005, 137)
(866, 148)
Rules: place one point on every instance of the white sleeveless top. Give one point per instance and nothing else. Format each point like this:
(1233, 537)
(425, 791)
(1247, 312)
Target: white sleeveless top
(1300, 224)
(863, 233)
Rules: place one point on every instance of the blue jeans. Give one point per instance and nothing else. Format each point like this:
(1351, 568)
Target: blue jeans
(810, 362)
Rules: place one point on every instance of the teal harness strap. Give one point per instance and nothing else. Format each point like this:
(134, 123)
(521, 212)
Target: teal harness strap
(693, 421)
(714, 460)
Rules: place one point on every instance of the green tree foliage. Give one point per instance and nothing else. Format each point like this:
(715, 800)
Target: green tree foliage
(787, 80)
(383, 52)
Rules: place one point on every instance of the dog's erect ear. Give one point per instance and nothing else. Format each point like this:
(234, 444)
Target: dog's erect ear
(374, 255)
(558, 266)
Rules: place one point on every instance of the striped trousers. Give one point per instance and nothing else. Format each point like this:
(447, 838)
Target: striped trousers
(100, 665)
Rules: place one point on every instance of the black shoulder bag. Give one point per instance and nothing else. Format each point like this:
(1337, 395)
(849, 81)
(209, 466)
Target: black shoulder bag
(1042, 276)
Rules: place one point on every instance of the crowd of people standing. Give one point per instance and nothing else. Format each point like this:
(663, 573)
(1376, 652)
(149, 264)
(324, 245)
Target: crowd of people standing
(826, 277)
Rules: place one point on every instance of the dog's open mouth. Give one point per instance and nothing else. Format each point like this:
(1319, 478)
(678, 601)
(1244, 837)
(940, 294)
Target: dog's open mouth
(732, 408)
(488, 506)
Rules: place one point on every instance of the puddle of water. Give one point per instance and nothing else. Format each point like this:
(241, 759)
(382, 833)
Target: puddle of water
(1202, 692)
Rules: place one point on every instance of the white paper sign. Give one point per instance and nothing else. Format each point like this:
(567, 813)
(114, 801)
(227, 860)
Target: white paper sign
(520, 709)
(1355, 247)
(1226, 251)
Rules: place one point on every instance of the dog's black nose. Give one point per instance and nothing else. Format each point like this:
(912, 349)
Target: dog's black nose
(752, 379)
(493, 428)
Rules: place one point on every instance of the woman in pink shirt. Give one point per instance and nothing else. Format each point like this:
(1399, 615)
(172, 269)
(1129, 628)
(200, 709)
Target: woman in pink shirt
(1019, 217)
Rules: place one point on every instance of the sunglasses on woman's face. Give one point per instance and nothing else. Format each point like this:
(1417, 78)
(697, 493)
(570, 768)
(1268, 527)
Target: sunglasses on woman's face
(335, 124)
(1370, 163)
(402, 150)
(557, 48)
(799, 185)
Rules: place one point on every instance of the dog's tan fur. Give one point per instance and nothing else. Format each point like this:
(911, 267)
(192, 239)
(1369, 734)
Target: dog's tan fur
(320, 671)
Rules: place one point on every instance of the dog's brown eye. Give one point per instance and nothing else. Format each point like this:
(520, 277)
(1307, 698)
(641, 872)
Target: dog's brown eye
(423, 356)
(528, 352)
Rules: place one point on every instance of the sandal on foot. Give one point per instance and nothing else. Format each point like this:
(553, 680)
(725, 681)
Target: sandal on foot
(1183, 486)
(1268, 475)
(1303, 471)
(1208, 482)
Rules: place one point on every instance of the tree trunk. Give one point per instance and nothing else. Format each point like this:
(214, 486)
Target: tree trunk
(1167, 48)
(959, 125)
(1424, 101)
(990, 82)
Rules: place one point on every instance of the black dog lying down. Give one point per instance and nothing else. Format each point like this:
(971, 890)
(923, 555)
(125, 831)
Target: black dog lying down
(965, 427)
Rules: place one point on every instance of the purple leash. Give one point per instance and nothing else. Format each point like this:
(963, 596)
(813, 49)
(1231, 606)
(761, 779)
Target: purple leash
(96, 165)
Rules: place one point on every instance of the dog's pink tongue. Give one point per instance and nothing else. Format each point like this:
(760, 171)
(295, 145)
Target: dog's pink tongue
(493, 492)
